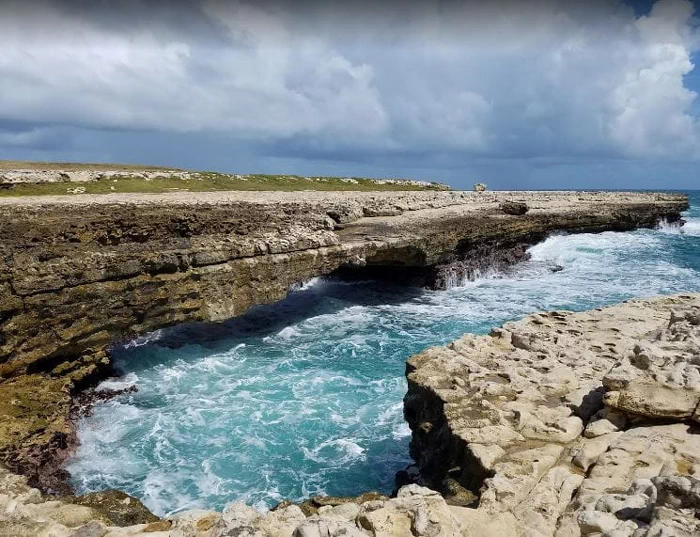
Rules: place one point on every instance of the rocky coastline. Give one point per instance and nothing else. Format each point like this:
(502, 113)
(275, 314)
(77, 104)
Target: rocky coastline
(565, 423)
(561, 424)
(80, 275)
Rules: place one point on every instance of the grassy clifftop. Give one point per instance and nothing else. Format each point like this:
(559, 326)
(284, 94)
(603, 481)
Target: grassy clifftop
(38, 178)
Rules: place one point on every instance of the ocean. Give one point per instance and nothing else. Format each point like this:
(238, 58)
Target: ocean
(304, 397)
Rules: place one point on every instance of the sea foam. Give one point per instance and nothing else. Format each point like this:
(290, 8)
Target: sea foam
(305, 397)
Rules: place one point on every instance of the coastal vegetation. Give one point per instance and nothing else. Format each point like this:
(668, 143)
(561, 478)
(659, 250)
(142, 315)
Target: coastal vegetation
(38, 178)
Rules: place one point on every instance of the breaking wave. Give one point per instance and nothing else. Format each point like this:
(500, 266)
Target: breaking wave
(305, 397)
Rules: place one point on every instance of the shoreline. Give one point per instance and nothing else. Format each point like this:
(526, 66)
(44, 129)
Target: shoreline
(73, 256)
(566, 455)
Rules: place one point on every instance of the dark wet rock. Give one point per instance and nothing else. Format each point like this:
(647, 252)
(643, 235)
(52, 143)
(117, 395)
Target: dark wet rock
(517, 208)
(35, 429)
(117, 507)
(478, 262)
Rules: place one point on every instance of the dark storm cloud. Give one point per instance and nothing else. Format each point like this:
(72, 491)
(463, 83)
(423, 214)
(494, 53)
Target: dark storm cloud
(410, 86)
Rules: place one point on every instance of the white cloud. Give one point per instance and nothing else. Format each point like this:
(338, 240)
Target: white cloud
(556, 79)
(71, 71)
(650, 106)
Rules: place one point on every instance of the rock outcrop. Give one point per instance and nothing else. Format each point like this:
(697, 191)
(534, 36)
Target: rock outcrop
(415, 511)
(80, 273)
(518, 429)
(76, 276)
(661, 379)
(517, 208)
(573, 423)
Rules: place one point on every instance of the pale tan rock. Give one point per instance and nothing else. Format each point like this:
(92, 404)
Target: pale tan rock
(516, 476)
(487, 455)
(605, 421)
(319, 527)
(91, 529)
(548, 499)
(589, 450)
(415, 511)
(516, 424)
(660, 379)
(346, 511)
(633, 459)
(480, 523)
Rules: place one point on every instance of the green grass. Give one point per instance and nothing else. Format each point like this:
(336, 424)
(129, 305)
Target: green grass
(9, 165)
(205, 182)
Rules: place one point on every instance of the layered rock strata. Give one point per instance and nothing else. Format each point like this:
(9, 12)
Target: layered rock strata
(527, 418)
(77, 276)
(573, 423)
(79, 273)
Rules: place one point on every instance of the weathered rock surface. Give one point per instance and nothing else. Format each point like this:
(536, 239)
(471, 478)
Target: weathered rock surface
(78, 274)
(515, 422)
(661, 378)
(561, 419)
(416, 511)
(517, 208)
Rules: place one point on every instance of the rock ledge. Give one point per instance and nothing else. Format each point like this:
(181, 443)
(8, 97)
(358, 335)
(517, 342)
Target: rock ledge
(536, 430)
(573, 423)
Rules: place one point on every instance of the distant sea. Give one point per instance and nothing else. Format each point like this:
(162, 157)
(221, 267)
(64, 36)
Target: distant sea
(305, 397)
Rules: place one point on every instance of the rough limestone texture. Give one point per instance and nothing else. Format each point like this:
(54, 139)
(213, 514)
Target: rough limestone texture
(80, 273)
(415, 511)
(514, 428)
(661, 379)
(573, 423)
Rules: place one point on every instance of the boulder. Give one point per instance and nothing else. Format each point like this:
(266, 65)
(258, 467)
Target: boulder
(517, 208)
(660, 379)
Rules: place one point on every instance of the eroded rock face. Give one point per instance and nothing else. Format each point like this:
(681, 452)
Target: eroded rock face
(513, 428)
(76, 276)
(80, 273)
(561, 419)
(660, 379)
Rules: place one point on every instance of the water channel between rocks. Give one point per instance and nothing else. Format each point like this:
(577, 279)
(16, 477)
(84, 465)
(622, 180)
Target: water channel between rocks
(305, 397)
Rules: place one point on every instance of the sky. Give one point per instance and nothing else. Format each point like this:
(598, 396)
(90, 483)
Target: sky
(538, 94)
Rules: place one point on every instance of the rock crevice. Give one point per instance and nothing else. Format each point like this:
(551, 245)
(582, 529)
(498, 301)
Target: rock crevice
(574, 423)
(78, 274)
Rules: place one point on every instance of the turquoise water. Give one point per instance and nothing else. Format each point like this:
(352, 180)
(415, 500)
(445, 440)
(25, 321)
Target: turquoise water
(305, 397)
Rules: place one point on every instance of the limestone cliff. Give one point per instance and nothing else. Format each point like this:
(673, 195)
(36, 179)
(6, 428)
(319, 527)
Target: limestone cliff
(540, 419)
(568, 423)
(79, 273)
